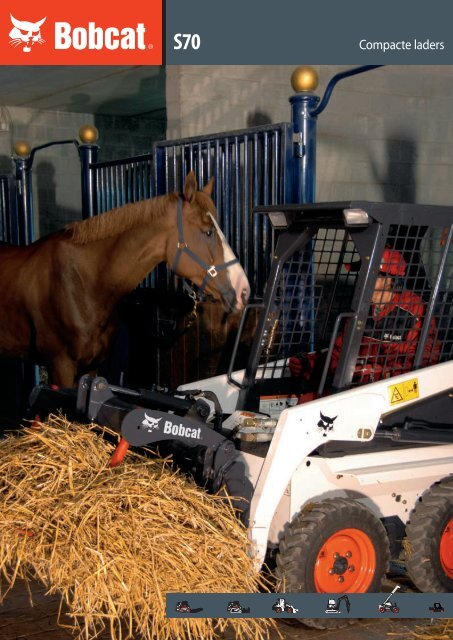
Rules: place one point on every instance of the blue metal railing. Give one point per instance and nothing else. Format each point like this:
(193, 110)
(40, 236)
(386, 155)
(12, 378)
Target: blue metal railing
(4, 208)
(263, 165)
(9, 231)
(122, 181)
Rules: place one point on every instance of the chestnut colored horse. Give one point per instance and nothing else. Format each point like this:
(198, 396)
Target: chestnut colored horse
(59, 294)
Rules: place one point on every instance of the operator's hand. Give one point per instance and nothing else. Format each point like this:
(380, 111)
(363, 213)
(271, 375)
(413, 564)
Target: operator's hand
(307, 366)
(296, 366)
(302, 365)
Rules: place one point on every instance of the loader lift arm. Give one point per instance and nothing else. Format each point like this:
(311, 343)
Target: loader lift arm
(178, 426)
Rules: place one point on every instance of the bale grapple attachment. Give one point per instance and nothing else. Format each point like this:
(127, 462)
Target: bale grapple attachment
(171, 423)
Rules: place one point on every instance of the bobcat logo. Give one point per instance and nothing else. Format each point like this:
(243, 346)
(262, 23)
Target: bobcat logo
(150, 424)
(326, 423)
(25, 33)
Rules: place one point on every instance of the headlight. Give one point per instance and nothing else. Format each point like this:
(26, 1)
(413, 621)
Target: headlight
(356, 217)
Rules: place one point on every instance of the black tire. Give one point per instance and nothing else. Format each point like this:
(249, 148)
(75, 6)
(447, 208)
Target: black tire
(305, 537)
(428, 521)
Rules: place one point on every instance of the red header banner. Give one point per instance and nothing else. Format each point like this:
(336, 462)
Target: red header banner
(81, 33)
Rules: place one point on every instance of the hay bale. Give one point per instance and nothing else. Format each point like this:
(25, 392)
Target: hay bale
(112, 542)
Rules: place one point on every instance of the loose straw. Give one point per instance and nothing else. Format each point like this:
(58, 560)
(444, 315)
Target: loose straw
(113, 541)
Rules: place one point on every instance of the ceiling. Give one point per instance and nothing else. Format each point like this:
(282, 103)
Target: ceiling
(108, 90)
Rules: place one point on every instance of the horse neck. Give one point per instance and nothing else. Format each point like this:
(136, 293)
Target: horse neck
(133, 253)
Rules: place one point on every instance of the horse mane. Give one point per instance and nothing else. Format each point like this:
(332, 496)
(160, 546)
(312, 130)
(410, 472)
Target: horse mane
(116, 221)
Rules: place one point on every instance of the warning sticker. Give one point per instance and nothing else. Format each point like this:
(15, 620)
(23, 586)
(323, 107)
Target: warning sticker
(404, 391)
(274, 405)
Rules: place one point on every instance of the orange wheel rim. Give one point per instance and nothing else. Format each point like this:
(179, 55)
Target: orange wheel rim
(446, 549)
(346, 562)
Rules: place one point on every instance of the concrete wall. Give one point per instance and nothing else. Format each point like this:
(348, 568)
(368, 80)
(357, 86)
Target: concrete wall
(123, 136)
(56, 170)
(386, 135)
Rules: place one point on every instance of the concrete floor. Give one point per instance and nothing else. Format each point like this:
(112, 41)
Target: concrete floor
(20, 621)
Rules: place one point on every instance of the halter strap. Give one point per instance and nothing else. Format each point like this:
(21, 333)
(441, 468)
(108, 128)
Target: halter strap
(211, 270)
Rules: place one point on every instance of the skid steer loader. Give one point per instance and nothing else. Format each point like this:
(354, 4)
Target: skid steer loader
(350, 462)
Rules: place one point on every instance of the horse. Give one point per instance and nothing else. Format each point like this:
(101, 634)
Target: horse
(59, 294)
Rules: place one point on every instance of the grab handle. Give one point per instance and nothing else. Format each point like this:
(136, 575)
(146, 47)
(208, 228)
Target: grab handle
(230, 378)
(336, 328)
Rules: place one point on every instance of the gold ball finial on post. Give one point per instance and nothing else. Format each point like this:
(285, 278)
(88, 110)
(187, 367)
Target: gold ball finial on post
(88, 134)
(22, 148)
(304, 79)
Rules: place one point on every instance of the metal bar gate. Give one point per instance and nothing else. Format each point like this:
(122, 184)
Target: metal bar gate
(8, 217)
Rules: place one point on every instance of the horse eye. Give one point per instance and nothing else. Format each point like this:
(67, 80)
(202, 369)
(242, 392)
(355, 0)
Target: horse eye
(209, 232)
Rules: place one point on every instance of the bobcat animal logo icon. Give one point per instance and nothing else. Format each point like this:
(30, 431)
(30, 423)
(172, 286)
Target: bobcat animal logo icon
(150, 423)
(25, 33)
(326, 423)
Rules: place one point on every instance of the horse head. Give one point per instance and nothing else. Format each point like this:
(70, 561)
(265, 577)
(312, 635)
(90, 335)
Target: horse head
(201, 253)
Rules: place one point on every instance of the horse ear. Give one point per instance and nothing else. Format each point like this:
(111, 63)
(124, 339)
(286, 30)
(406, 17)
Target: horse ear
(190, 187)
(209, 187)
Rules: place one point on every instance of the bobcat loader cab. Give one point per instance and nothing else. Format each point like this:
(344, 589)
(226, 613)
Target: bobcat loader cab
(347, 461)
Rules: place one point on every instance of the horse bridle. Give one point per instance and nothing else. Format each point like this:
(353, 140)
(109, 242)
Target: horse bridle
(211, 270)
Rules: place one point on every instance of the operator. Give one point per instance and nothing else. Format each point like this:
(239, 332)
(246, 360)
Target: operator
(392, 330)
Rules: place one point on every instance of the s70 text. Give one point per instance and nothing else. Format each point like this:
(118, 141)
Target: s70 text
(186, 41)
